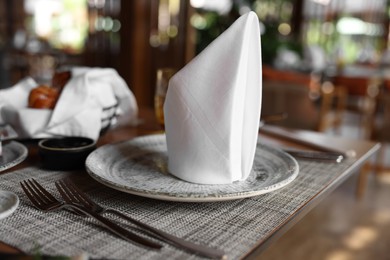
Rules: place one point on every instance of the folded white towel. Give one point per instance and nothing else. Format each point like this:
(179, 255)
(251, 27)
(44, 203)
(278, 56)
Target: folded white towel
(212, 108)
(79, 109)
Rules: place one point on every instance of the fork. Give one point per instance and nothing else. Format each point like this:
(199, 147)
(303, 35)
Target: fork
(71, 193)
(45, 201)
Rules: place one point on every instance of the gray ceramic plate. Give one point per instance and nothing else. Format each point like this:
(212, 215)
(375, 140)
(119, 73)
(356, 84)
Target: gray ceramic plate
(139, 167)
(13, 154)
(9, 201)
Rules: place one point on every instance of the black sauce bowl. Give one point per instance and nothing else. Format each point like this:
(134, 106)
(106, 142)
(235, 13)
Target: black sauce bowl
(68, 153)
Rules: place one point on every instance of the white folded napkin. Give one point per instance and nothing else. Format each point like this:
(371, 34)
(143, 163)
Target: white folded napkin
(79, 109)
(212, 108)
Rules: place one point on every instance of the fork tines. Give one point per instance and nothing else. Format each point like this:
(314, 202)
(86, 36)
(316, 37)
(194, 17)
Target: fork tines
(37, 194)
(44, 201)
(69, 189)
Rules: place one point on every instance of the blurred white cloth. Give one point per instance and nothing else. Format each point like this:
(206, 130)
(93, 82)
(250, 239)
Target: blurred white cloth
(79, 109)
(212, 108)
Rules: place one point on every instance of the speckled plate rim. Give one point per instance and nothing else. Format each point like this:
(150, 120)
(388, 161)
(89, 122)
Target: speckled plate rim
(291, 174)
(16, 148)
(11, 202)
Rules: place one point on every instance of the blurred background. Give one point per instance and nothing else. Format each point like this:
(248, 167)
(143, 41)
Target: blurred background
(137, 37)
(325, 62)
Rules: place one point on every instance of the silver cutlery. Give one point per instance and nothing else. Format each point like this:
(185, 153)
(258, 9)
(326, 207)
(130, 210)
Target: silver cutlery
(71, 193)
(316, 155)
(291, 135)
(45, 201)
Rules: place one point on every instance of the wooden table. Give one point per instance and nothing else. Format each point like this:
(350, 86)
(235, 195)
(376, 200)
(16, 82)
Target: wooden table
(364, 150)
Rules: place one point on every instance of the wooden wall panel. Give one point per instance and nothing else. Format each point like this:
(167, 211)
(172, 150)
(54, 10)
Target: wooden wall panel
(139, 61)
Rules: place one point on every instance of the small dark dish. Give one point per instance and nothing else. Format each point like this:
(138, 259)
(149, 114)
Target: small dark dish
(68, 153)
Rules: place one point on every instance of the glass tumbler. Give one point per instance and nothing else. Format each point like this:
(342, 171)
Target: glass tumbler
(162, 81)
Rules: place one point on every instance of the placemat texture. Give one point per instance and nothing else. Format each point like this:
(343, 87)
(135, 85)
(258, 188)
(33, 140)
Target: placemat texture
(234, 226)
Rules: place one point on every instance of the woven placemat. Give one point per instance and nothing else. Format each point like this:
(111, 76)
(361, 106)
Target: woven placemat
(234, 226)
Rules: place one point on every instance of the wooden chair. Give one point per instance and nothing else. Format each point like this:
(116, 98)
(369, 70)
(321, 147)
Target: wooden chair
(309, 103)
(370, 99)
(380, 132)
(362, 94)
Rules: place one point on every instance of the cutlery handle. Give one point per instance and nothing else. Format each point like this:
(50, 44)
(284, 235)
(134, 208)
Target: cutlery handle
(315, 155)
(294, 136)
(184, 244)
(121, 232)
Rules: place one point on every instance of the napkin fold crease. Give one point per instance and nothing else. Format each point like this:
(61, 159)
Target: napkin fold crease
(212, 108)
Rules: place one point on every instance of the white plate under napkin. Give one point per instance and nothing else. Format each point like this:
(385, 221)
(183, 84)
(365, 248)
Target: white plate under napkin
(139, 166)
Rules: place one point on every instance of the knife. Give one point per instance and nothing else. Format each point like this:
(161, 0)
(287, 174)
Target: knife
(290, 135)
(317, 155)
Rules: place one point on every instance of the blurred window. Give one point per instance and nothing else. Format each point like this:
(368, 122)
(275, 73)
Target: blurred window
(61, 23)
(350, 31)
